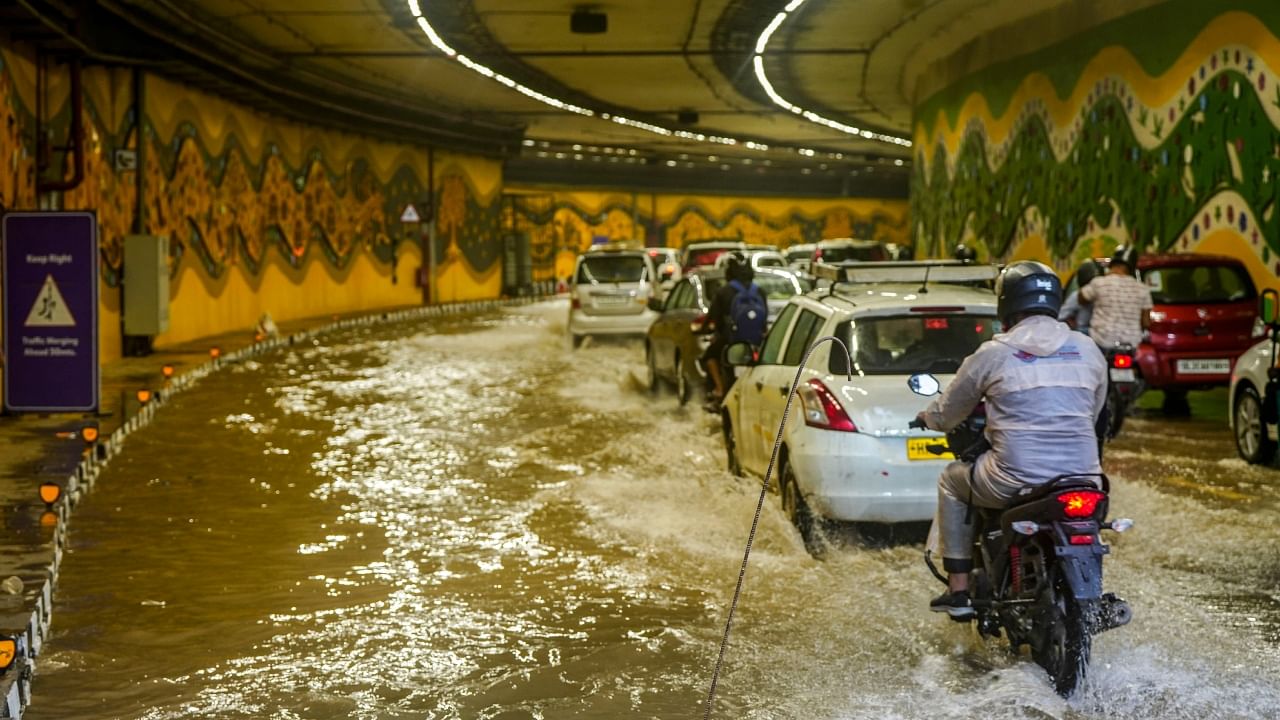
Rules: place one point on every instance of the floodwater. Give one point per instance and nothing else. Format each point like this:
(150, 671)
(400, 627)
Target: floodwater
(463, 518)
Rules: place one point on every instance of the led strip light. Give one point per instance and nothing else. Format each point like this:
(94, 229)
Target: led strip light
(758, 61)
(415, 7)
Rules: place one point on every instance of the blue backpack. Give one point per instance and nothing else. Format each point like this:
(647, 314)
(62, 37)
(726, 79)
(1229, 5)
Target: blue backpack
(749, 314)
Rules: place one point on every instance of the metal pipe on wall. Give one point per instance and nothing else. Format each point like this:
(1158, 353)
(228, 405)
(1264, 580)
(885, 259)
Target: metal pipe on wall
(76, 145)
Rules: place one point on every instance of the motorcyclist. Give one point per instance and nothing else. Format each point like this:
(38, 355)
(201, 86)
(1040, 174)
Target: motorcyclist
(1044, 386)
(722, 323)
(1121, 302)
(1073, 312)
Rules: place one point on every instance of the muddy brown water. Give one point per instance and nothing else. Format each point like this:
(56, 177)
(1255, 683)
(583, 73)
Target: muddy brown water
(464, 518)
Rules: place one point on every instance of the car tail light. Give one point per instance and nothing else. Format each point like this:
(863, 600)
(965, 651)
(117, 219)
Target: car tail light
(699, 323)
(1081, 540)
(576, 303)
(822, 409)
(817, 255)
(1122, 361)
(1080, 503)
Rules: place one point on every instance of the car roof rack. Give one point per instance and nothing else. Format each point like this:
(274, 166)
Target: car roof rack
(853, 272)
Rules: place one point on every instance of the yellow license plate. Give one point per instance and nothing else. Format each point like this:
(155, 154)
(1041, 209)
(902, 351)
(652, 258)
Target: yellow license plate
(934, 448)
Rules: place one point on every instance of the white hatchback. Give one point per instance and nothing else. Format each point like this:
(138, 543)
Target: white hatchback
(847, 453)
(610, 293)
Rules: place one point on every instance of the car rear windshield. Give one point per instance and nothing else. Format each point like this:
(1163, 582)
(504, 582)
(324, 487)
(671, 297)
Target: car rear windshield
(612, 269)
(777, 287)
(770, 261)
(870, 253)
(1184, 284)
(912, 344)
(704, 257)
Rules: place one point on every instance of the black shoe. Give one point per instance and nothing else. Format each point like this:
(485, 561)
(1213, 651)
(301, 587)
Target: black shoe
(956, 604)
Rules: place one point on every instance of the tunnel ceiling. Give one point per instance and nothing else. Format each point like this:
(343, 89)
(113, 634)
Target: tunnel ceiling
(682, 74)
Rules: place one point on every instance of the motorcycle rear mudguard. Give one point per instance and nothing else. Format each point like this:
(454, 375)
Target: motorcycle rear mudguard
(1081, 567)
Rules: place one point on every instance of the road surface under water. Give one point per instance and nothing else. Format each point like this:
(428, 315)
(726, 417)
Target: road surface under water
(463, 518)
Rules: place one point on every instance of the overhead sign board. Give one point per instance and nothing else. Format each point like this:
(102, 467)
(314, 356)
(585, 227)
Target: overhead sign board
(49, 274)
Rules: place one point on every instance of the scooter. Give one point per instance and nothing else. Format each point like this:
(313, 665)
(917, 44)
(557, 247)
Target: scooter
(1038, 566)
(1123, 386)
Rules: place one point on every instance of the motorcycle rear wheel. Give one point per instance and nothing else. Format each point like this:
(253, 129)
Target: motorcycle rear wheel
(1061, 641)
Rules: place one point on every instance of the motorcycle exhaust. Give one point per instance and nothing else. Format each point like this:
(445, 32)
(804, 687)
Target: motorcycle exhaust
(1113, 613)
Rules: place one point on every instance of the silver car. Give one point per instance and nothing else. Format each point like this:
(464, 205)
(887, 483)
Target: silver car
(610, 293)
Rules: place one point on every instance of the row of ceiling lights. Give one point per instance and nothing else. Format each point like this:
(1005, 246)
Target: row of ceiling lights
(434, 38)
(595, 153)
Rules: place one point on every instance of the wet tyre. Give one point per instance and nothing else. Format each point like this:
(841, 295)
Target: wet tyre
(684, 390)
(730, 447)
(1061, 642)
(798, 512)
(1251, 432)
(1117, 408)
(652, 381)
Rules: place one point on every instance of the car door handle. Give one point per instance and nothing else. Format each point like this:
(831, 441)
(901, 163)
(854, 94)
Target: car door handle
(759, 386)
(783, 391)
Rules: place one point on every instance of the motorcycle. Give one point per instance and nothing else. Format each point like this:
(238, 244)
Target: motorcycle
(1037, 571)
(1123, 386)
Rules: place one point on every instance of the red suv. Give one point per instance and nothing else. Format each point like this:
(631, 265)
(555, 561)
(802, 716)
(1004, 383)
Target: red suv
(1205, 315)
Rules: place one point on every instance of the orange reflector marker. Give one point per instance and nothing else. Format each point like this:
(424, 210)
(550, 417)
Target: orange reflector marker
(144, 396)
(67, 435)
(167, 371)
(50, 492)
(215, 352)
(49, 519)
(259, 337)
(90, 434)
(8, 652)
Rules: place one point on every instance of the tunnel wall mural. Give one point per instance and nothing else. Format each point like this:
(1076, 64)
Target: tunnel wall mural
(1161, 129)
(263, 215)
(562, 224)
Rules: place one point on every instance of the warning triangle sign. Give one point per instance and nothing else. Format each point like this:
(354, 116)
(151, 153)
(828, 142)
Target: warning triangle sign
(50, 310)
(410, 214)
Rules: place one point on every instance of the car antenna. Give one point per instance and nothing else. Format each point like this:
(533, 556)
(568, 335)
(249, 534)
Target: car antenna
(924, 286)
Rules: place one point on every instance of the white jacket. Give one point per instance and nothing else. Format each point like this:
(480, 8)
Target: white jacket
(1045, 386)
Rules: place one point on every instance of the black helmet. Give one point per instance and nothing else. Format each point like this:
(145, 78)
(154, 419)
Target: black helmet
(1126, 255)
(964, 253)
(1027, 287)
(1088, 270)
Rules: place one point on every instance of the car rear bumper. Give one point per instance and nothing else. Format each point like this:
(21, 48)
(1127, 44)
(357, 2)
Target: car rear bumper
(638, 324)
(1160, 368)
(863, 478)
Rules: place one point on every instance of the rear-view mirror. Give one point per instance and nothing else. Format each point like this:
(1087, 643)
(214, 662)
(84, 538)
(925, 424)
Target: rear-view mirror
(740, 353)
(924, 384)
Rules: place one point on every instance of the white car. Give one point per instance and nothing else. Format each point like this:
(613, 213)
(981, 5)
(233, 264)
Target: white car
(847, 453)
(798, 257)
(756, 258)
(609, 293)
(1250, 396)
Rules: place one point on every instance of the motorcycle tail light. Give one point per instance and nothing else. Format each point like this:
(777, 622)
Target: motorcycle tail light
(1081, 539)
(822, 409)
(1080, 503)
(1122, 361)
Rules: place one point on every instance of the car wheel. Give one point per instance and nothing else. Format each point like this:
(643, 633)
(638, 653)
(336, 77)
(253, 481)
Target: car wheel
(730, 447)
(1251, 432)
(652, 381)
(683, 390)
(798, 512)
(577, 341)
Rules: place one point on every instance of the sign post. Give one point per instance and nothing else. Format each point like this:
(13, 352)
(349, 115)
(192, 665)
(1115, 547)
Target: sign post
(49, 266)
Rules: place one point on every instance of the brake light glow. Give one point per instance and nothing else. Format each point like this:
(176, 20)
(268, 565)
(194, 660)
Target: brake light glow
(935, 323)
(1081, 539)
(1080, 504)
(698, 324)
(1122, 361)
(576, 303)
(822, 409)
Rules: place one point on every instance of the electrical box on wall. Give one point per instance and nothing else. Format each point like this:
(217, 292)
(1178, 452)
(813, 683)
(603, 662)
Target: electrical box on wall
(146, 285)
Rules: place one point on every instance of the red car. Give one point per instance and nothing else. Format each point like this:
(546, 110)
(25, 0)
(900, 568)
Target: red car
(1205, 315)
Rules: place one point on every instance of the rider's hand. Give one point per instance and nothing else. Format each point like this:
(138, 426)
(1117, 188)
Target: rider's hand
(922, 418)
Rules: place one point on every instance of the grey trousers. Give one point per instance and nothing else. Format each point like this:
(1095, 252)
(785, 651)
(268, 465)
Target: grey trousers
(950, 536)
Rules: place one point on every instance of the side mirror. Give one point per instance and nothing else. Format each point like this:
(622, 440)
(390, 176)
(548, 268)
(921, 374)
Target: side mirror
(924, 384)
(655, 304)
(740, 354)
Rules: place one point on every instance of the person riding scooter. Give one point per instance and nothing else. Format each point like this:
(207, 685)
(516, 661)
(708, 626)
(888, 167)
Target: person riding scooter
(1044, 387)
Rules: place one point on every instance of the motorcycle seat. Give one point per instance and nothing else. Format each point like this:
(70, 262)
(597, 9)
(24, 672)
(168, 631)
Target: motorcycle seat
(1029, 504)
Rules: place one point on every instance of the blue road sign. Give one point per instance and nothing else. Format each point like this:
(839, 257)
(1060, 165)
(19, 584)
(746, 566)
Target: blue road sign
(49, 269)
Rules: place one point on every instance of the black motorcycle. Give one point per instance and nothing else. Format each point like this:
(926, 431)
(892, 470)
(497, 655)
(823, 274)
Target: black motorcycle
(1123, 386)
(1038, 566)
